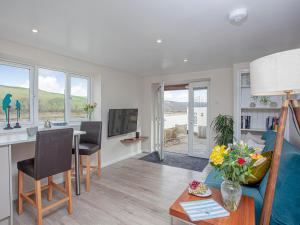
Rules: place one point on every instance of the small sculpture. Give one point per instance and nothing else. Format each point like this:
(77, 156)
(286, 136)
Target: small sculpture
(18, 109)
(6, 109)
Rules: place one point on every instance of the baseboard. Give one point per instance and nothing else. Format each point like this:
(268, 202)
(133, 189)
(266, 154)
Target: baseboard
(104, 164)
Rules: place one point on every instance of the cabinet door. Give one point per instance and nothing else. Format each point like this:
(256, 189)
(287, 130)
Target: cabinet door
(4, 183)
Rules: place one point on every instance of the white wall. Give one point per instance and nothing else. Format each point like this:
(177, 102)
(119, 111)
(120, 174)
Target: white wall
(221, 96)
(110, 89)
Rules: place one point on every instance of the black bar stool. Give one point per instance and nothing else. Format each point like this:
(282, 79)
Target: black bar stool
(53, 155)
(90, 143)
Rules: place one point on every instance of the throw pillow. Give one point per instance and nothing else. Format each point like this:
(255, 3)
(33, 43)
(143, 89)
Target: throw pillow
(261, 167)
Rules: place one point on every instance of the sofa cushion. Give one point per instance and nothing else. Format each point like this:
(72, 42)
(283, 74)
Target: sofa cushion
(214, 180)
(259, 171)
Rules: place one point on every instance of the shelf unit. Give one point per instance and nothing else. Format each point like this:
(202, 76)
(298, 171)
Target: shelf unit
(243, 107)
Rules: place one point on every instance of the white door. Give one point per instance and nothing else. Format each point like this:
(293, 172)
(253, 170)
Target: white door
(198, 125)
(159, 120)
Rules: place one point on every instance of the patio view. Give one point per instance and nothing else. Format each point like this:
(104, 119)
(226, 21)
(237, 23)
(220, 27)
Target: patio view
(176, 121)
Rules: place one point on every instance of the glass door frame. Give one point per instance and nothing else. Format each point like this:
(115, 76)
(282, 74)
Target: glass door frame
(192, 87)
(159, 119)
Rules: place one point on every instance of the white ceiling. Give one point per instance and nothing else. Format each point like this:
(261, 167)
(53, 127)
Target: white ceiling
(121, 33)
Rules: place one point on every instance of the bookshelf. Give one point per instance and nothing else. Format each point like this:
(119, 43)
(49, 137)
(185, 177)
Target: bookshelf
(254, 108)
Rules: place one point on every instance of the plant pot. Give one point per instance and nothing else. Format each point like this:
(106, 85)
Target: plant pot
(231, 194)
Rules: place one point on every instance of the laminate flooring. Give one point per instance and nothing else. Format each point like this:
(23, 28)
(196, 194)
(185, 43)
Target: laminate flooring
(130, 192)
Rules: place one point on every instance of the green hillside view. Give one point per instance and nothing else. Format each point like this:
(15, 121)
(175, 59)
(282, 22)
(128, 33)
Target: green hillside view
(50, 104)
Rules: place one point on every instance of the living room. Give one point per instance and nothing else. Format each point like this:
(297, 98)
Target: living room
(173, 71)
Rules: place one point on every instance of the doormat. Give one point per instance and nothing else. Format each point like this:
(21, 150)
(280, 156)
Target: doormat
(178, 160)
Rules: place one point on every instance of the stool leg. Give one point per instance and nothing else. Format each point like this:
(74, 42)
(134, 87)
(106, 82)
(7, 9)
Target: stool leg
(20, 191)
(38, 201)
(99, 163)
(69, 191)
(80, 165)
(88, 173)
(50, 188)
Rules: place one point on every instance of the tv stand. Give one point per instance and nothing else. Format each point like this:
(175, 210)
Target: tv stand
(133, 140)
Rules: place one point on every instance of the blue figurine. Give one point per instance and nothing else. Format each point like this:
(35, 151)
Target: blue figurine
(6, 109)
(18, 109)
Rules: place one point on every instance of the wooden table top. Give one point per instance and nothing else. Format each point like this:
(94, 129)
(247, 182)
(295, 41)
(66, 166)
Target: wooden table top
(245, 213)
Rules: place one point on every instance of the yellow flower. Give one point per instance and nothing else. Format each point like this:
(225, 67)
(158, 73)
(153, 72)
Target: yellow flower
(256, 156)
(217, 154)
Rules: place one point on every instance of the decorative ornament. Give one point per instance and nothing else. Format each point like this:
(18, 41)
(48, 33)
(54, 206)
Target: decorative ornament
(18, 109)
(6, 109)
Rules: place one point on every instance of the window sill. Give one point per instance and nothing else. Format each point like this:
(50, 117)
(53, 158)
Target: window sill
(23, 129)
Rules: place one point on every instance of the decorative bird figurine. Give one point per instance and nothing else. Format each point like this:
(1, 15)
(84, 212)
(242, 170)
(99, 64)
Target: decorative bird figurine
(6, 109)
(18, 109)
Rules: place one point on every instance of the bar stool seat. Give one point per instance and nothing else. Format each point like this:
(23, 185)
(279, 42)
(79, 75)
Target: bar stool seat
(27, 167)
(87, 149)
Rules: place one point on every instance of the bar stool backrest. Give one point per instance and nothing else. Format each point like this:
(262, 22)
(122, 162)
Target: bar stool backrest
(93, 131)
(53, 152)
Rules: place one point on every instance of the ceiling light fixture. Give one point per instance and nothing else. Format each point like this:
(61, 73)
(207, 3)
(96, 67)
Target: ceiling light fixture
(34, 30)
(159, 41)
(185, 60)
(238, 16)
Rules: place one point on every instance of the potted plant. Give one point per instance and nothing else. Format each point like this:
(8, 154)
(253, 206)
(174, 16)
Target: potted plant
(89, 108)
(235, 165)
(223, 127)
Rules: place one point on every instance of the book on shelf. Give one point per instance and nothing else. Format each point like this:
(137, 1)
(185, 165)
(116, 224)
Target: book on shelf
(272, 122)
(245, 122)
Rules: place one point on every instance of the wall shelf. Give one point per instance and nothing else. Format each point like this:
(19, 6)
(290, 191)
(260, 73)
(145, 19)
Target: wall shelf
(258, 115)
(133, 140)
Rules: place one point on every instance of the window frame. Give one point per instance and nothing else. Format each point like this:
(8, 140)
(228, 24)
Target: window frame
(37, 94)
(68, 76)
(69, 96)
(34, 87)
(31, 88)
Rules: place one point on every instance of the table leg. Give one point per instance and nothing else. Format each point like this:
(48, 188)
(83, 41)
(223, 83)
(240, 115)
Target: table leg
(77, 173)
(171, 220)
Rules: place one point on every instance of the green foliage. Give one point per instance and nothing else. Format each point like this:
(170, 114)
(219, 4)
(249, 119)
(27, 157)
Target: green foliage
(223, 127)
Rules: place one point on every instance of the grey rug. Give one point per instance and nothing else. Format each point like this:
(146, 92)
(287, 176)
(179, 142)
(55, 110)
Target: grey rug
(178, 160)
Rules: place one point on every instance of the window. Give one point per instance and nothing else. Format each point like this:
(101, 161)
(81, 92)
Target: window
(15, 80)
(79, 97)
(44, 94)
(51, 92)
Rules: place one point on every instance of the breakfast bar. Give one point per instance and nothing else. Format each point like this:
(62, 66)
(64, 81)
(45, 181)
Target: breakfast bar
(6, 194)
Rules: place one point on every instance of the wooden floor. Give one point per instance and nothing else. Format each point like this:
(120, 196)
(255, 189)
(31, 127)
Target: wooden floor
(131, 192)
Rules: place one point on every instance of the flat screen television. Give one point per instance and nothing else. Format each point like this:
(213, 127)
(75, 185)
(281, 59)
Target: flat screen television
(122, 121)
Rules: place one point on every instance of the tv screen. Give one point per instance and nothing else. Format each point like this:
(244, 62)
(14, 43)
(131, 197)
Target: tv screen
(122, 121)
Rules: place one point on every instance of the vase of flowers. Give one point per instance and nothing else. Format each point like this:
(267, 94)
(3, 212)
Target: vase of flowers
(89, 109)
(234, 164)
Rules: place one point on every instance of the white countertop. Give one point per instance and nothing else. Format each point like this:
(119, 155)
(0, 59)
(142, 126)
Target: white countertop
(22, 137)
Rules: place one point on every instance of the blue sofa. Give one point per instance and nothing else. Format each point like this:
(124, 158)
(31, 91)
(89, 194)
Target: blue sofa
(286, 205)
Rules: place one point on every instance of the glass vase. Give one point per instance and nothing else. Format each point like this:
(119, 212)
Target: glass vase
(231, 194)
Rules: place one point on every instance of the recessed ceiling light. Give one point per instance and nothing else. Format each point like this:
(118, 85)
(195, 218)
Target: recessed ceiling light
(185, 60)
(238, 16)
(159, 41)
(34, 30)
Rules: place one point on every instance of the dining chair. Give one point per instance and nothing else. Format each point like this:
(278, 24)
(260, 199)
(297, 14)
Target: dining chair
(53, 155)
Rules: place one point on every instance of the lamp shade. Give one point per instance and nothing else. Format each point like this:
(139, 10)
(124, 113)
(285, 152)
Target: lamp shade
(275, 74)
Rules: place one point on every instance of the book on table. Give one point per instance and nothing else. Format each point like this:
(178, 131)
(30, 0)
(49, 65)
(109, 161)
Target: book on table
(203, 209)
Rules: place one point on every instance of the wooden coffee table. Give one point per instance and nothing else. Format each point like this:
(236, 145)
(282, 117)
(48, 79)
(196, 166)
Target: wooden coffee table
(244, 215)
